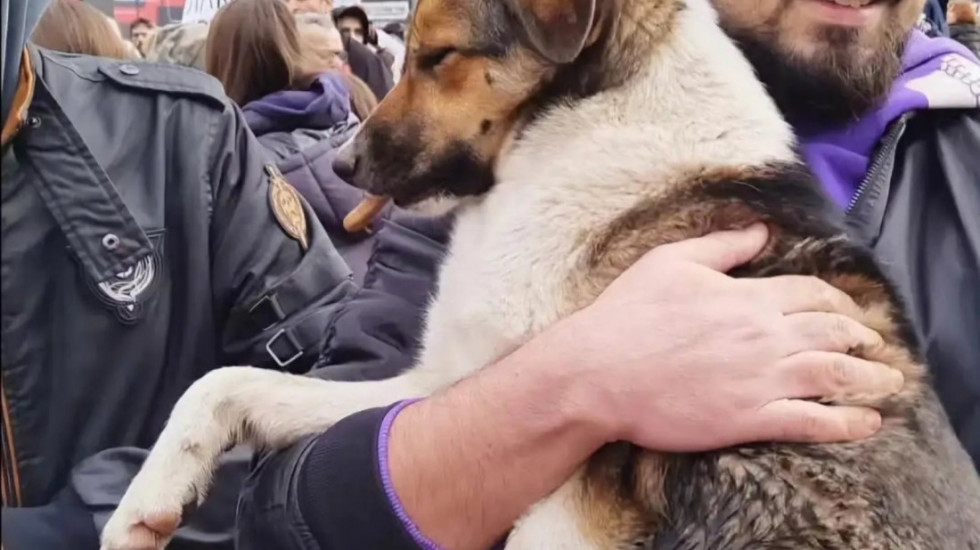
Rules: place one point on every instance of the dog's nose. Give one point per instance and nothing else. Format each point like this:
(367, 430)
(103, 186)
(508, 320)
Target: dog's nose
(345, 163)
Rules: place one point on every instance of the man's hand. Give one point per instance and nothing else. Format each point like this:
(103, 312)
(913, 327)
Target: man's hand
(674, 356)
(677, 356)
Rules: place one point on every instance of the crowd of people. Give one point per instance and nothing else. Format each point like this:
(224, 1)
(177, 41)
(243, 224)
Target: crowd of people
(160, 222)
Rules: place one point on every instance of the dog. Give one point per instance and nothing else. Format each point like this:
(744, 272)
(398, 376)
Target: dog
(500, 103)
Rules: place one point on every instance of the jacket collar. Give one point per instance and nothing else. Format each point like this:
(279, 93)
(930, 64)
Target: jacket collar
(101, 231)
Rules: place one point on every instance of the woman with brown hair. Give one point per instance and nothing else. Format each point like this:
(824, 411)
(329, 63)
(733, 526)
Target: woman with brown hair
(287, 77)
(76, 27)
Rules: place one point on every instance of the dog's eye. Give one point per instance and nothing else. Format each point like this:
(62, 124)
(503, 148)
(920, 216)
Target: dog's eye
(436, 58)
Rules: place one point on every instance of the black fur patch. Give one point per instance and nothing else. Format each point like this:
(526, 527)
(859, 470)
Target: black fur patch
(790, 198)
(454, 170)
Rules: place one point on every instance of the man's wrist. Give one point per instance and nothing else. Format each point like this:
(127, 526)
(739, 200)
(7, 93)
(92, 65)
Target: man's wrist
(566, 381)
(510, 435)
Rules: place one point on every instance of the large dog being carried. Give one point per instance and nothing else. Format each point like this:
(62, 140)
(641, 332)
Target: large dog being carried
(573, 136)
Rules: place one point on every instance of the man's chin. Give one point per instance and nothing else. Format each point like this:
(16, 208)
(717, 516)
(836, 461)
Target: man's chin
(835, 83)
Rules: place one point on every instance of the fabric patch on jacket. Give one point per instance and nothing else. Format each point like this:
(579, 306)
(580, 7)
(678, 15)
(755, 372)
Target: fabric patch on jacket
(287, 206)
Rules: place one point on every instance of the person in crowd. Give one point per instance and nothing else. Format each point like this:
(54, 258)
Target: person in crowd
(139, 32)
(963, 26)
(287, 77)
(889, 122)
(76, 27)
(145, 242)
(367, 66)
(179, 44)
(354, 21)
(319, 36)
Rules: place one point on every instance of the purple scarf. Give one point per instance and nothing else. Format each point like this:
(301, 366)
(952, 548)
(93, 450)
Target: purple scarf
(937, 73)
(325, 104)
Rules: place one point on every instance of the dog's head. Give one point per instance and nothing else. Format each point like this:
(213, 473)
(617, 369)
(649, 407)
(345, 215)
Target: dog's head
(472, 68)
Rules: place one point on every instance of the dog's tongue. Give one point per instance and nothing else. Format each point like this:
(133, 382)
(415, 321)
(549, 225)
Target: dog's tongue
(361, 217)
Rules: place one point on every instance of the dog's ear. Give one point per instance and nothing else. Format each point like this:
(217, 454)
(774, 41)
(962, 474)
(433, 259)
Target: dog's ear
(555, 29)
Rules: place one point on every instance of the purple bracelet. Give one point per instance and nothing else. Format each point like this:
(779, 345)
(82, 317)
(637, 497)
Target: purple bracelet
(384, 434)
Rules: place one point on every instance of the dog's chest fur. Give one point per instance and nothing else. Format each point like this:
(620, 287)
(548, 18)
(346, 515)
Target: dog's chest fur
(586, 190)
(518, 261)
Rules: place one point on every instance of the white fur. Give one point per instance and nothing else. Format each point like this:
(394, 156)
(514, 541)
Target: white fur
(506, 276)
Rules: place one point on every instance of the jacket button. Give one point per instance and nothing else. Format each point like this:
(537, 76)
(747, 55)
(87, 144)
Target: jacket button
(128, 69)
(34, 121)
(110, 241)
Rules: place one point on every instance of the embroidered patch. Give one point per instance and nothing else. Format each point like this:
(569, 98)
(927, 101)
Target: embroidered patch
(287, 206)
(126, 287)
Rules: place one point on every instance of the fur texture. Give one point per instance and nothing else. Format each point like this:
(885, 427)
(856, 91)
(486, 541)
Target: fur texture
(656, 132)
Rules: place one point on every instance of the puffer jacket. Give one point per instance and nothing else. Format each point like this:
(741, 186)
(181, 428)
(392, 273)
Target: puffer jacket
(301, 131)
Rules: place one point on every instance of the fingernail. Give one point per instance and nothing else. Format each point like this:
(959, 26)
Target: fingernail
(871, 421)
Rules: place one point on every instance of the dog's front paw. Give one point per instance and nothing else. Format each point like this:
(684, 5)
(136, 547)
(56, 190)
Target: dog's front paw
(133, 529)
(151, 510)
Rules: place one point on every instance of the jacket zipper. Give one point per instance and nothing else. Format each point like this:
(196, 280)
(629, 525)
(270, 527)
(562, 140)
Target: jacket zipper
(885, 151)
(9, 476)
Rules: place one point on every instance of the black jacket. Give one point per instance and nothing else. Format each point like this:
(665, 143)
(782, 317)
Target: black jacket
(919, 209)
(139, 251)
(967, 34)
(370, 68)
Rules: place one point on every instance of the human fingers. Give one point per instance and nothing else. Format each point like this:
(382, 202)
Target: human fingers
(827, 332)
(819, 374)
(798, 294)
(721, 251)
(793, 420)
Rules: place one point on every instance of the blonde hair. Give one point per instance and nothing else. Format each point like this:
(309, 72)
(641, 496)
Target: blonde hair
(76, 27)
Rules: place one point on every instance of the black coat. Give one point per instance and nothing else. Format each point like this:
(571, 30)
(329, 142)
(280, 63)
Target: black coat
(369, 67)
(139, 251)
(967, 34)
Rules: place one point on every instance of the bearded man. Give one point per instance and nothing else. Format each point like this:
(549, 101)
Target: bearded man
(889, 121)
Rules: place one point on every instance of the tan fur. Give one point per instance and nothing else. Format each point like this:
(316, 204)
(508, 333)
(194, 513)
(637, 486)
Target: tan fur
(610, 514)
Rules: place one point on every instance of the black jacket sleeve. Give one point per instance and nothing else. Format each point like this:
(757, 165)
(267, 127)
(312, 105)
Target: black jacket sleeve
(327, 493)
(274, 295)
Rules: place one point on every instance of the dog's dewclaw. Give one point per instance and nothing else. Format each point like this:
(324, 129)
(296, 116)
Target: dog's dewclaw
(361, 217)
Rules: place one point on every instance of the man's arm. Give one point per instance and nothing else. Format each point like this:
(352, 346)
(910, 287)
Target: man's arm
(720, 363)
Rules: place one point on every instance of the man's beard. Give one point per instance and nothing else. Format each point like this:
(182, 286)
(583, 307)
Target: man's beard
(832, 89)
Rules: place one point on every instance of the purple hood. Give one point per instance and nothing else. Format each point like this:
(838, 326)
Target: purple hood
(324, 105)
(937, 73)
